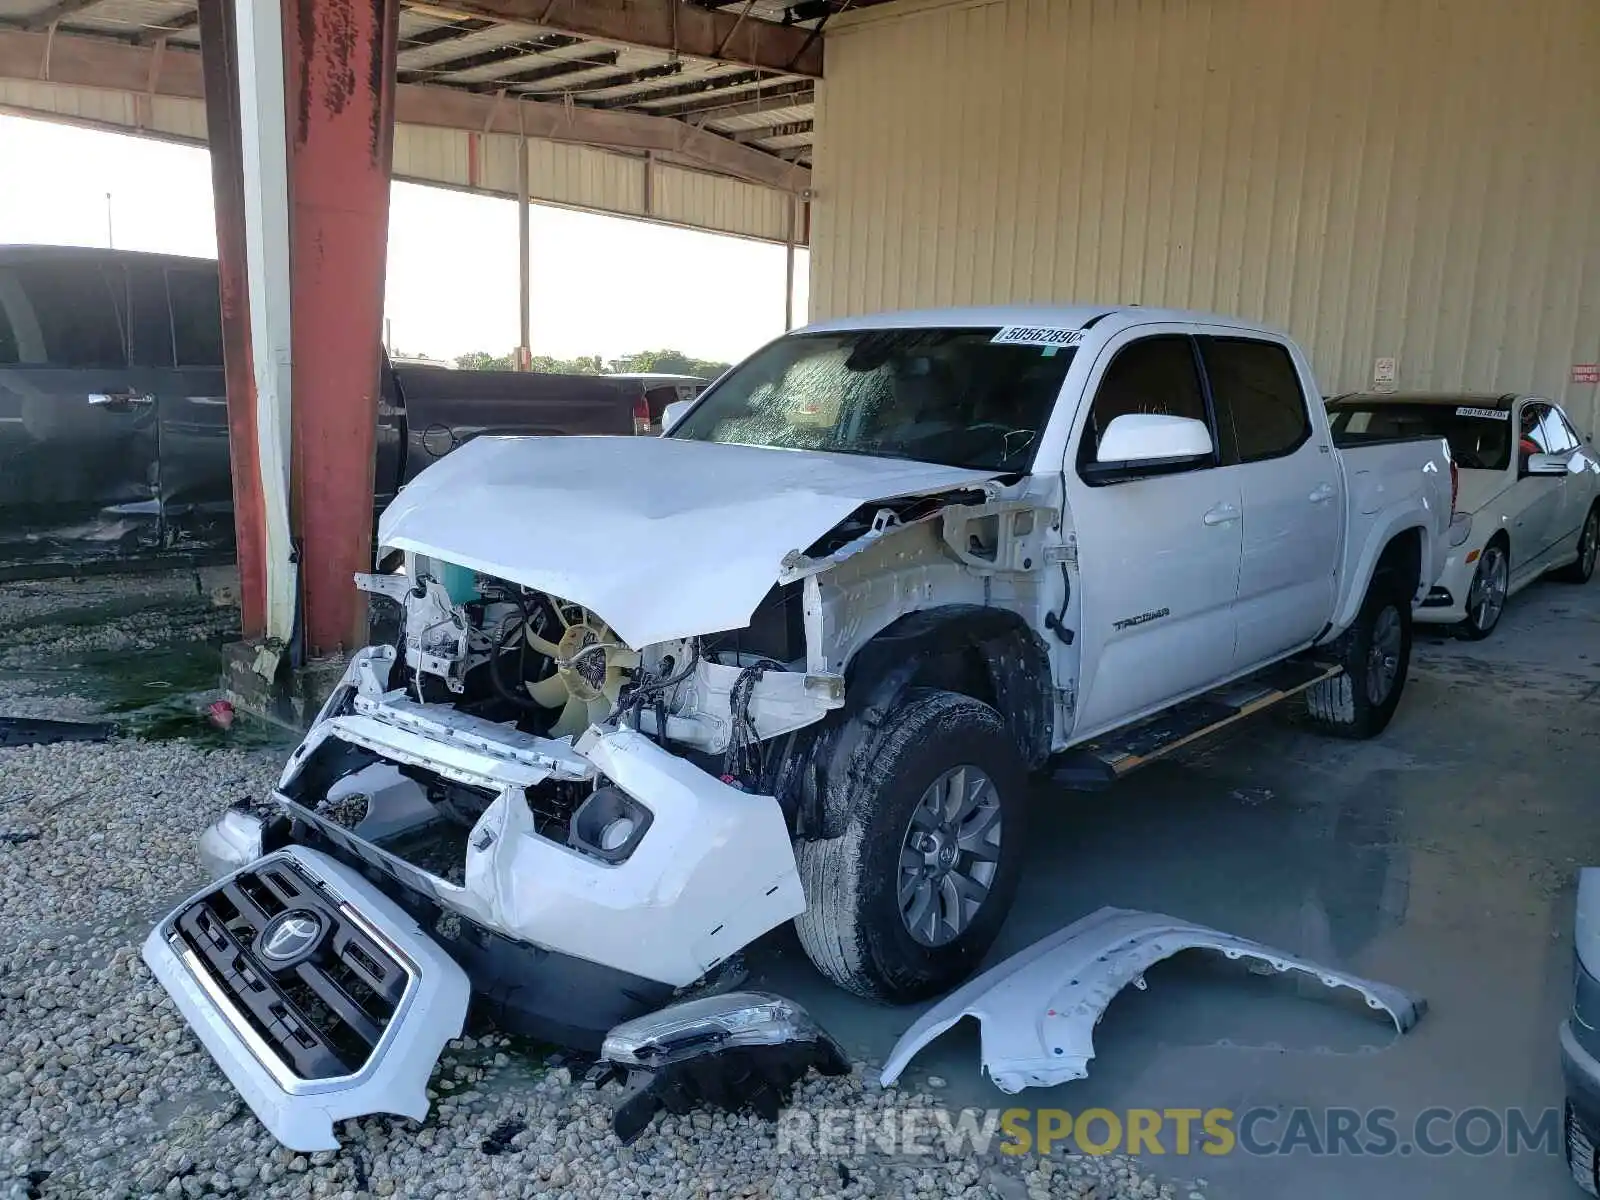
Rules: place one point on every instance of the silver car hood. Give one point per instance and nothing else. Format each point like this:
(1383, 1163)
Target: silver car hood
(1475, 488)
(661, 538)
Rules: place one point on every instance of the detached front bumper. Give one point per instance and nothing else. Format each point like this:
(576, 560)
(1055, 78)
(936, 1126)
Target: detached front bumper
(345, 1017)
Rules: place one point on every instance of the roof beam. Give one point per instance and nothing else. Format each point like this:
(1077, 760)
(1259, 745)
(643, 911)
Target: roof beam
(694, 87)
(509, 52)
(558, 69)
(577, 90)
(710, 108)
(788, 129)
(116, 66)
(58, 11)
(669, 25)
(450, 31)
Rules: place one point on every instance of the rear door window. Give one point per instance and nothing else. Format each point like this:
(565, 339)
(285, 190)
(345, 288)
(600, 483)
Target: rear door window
(1152, 375)
(64, 314)
(1261, 408)
(196, 307)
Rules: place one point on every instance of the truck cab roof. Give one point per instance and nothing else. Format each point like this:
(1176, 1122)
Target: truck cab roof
(1055, 316)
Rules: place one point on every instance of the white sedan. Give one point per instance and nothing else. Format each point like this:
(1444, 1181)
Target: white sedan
(1528, 500)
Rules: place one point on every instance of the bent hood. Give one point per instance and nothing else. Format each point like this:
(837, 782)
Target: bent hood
(659, 537)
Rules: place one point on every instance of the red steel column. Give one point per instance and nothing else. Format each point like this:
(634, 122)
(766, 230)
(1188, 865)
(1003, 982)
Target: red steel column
(219, 59)
(340, 68)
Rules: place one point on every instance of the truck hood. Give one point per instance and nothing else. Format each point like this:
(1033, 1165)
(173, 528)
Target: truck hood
(659, 537)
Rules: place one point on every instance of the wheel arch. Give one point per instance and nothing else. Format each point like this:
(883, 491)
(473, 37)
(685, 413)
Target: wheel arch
(1403, 547)
(990, 654)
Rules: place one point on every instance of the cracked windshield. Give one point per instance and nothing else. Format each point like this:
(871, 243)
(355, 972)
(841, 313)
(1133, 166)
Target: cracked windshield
(949, 396)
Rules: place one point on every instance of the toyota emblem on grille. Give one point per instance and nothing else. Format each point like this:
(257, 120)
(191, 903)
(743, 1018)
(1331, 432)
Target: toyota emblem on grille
(290, 936)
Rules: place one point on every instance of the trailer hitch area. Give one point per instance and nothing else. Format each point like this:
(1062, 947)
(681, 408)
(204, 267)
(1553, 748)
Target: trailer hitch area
(736, 1051)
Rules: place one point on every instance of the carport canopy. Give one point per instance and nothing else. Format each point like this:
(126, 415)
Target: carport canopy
(694, 113)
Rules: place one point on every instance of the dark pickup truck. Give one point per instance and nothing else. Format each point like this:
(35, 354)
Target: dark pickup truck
(114, 416)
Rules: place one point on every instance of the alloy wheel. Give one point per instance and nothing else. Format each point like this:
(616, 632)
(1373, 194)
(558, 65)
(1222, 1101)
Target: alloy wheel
(1383, 655)
(1487, 599)
(950, 855)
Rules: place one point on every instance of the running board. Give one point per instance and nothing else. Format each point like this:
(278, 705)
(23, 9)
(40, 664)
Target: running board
(1100, 763)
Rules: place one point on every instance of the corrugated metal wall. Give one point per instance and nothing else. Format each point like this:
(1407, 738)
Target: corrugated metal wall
(574, 176)
(1415, 178)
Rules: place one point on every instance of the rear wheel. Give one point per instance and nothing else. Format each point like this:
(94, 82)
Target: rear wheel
(1486, 599)
(904, 904)
(1376, 655)
(1580, 569)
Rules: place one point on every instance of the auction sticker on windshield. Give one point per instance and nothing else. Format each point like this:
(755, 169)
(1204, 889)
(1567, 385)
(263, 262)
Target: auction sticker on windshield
(1484, 414)
(1032, 335)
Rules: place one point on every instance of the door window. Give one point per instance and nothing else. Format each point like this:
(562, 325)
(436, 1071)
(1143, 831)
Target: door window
(1261, 410)
(1152, 375)
(1572, 430)
(196, 318)
(63, 314)
(1533, 439)
(1555, 433)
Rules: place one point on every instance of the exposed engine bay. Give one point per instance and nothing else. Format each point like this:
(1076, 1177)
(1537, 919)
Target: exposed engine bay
(517, 656)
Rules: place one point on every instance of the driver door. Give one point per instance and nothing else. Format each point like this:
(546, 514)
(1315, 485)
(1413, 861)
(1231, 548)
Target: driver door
(1158, 557)
(1536, 500)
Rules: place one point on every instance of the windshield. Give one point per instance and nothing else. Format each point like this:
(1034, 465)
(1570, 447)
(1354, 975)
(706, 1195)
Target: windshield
(949, 396)
(1479, 437)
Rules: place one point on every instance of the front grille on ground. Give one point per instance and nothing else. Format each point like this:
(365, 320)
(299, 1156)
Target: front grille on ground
(322, 1005)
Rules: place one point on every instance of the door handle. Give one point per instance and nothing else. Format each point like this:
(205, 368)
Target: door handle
(1322, 493)
(1222, 514)
(120, 401)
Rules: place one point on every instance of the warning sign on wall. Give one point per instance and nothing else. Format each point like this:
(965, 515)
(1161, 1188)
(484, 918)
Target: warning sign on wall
(1385, 374)
(1586, 372)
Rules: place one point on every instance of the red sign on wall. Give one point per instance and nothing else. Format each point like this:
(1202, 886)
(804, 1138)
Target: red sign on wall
(1586, 372)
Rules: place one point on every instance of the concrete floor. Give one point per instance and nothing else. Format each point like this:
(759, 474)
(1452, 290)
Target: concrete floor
(1441, 857)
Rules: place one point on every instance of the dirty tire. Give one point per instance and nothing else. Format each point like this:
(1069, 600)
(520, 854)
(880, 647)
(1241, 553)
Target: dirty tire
(852, 928)
(1580, 570)
(1344, 706)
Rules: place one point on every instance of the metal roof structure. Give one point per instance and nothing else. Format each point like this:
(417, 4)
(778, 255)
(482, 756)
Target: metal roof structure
(710, 88)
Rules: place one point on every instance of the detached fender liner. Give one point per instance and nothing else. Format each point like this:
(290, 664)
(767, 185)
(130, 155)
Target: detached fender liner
(351, 1023)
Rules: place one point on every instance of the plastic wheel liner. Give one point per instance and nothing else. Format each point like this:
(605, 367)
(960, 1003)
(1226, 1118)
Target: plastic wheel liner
(1038, 1008)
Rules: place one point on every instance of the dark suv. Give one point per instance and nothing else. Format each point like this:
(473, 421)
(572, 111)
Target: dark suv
(114, 414)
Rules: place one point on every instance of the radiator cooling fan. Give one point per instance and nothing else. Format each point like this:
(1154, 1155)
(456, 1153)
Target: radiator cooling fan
(591, 664)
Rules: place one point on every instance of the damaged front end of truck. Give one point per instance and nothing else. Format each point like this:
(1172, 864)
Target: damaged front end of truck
(566, 779)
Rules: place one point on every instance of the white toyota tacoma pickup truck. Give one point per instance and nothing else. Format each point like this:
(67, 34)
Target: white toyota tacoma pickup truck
(647, 699)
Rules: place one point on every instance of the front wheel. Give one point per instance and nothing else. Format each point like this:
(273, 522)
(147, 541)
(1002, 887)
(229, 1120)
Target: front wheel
(904, 904)
(1375, 653)
(1581, 568)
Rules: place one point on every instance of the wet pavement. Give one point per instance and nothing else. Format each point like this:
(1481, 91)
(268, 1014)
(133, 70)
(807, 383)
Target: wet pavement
(1441, 857)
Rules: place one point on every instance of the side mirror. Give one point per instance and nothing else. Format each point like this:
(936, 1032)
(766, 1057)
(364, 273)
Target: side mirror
(1549, 464)
(1135, 445)
(673, 413)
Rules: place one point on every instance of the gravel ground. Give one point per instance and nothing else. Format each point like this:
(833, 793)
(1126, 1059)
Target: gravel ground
(105, 1093)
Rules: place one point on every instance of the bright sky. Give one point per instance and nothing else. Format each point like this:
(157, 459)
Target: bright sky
(601, 285)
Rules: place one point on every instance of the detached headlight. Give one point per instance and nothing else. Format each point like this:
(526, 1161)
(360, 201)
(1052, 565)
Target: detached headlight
(1460, 529)
(711, 1023)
